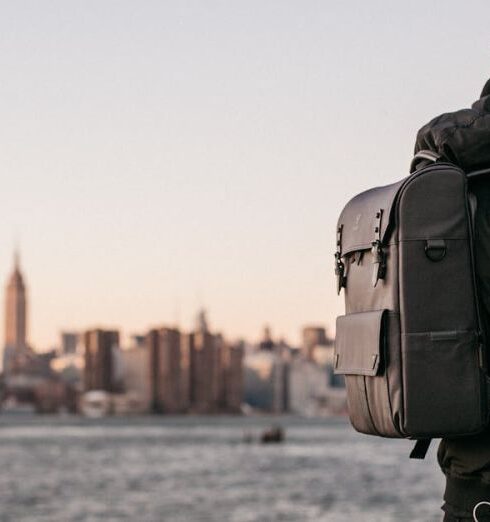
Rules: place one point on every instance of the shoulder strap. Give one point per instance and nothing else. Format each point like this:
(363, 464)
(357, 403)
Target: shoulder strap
(419, 451)
(423, 157)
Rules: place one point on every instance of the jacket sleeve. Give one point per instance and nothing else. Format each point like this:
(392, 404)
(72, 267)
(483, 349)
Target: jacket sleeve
(461, 137)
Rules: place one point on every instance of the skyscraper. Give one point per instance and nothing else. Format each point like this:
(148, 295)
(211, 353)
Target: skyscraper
(232, 362)
(206, 370)
(99, 373)
(186, 349)
(165, 356)
(16, 309)
(313, 336)
(15, 348)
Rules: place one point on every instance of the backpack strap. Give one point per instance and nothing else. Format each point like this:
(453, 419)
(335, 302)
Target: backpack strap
(419, 451)
(422, 158)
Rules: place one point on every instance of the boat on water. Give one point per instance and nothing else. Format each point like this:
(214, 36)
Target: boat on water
(274, 435)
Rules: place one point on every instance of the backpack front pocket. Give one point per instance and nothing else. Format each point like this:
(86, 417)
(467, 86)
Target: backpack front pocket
(442, 383)
(362, 354)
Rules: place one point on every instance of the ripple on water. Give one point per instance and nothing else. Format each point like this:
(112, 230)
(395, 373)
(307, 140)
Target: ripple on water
(192, 469)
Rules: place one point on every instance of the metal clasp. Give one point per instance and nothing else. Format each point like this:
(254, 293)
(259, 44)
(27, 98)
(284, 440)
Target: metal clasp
(435, 249)
(379, 262)
(379, 256)
(339, 264)
(340, 272)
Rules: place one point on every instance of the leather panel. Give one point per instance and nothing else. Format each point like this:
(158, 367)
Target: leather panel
(358, 343)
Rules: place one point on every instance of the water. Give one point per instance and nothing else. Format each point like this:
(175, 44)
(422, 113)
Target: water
(194, 469)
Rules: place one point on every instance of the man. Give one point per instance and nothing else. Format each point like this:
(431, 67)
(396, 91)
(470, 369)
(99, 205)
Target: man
(463, 138)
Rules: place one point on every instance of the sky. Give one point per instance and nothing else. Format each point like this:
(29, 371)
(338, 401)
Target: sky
(161, 156)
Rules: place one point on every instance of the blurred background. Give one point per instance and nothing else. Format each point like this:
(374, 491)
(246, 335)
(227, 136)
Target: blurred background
(172, 173)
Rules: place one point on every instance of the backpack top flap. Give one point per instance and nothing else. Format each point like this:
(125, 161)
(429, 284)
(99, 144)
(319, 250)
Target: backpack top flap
(366, 218)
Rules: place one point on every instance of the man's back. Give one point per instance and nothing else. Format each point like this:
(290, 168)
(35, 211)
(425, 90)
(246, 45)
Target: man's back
(463, 138)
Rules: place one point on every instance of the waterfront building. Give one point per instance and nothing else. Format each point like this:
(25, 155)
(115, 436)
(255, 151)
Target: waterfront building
(313, 336)
(16, 351)
(69, 343)
(323, 356)
(308, 387)
(130, 390)
(136, 381)
(100, 372)
(28, 377)
(69, 368)
(205, 372)
(314, 389)
(16, 308)
(266, 380)
(165, 370)
(232, 361)
(211, 371)
(195, 372)
(186, 371)
(152, 345)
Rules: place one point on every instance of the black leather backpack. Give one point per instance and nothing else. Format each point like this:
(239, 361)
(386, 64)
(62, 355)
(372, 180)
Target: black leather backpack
(412, 342)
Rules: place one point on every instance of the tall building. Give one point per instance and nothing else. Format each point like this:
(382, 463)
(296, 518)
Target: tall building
(206, 369)
(28, 376)
(265, 381)
(266, 343)
(211, 371)
(313, 336)
(136, 381)
(197, 372)
(100, 371)
(16, 309)
(232, 361)
(69, 342)
(186, 390)
(15, 348)
(164, 350)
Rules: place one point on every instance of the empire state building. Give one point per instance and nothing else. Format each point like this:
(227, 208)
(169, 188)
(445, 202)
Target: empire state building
(15, 315)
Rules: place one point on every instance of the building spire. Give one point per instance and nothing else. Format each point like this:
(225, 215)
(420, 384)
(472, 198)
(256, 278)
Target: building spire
(202, 321)
(16, 307)
(17, 258)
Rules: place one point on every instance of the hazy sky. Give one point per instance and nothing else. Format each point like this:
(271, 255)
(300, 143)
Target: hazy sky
(157, 156)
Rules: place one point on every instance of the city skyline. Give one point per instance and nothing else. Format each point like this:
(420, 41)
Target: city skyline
(16, 324)
(180, 155)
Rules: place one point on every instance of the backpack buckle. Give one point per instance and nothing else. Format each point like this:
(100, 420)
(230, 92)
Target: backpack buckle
(340, 272)
(379, 256)
(379, 262)
(339, 264)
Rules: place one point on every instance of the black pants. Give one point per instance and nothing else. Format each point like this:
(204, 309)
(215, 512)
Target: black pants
(462, 496)
(480, 518)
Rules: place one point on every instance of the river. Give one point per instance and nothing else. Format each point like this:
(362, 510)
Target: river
(193, 469)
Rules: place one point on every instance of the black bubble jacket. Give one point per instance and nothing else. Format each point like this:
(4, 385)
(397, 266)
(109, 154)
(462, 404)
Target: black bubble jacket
(461, 137)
